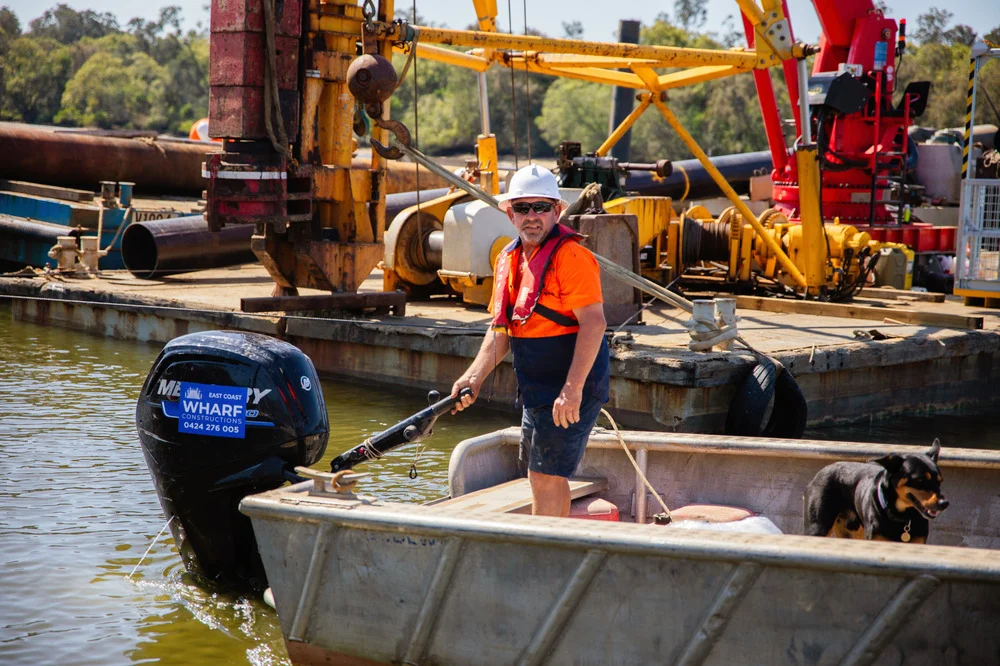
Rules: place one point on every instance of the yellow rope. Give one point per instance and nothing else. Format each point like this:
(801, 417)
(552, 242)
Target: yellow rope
(687, 182)
(621, 440)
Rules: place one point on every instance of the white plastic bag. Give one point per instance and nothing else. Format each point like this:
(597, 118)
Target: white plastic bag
(751, 525)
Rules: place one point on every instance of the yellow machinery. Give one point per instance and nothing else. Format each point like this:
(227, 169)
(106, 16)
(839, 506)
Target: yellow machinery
(813, 259)
(320, 224)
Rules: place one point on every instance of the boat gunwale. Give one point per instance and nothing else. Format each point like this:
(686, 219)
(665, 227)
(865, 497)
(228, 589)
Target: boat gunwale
(789, 551)
(672, 442)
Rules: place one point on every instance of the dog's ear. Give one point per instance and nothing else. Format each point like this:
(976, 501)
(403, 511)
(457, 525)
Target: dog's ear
(892, 462)
(934, 450)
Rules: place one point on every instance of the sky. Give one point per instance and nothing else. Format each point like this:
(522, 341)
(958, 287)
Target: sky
(599, 23)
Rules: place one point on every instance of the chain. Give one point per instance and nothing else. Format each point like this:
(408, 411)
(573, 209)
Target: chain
(368, 10)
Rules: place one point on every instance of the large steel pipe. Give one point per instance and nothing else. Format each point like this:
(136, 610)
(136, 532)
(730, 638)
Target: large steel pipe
(27, 242)
(396, 203)
(402, 176)
(689, 179)
(73, 159)
(69, 158)
(182, 244)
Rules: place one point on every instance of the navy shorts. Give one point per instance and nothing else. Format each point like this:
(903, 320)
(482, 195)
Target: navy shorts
(551, 449)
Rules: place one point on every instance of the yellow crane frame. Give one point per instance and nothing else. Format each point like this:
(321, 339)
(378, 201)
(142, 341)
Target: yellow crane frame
(600, 62)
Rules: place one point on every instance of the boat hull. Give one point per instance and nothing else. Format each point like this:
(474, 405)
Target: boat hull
(359, 582)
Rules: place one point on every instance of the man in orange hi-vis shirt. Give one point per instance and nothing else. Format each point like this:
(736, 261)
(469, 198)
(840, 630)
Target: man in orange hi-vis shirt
(548, 310)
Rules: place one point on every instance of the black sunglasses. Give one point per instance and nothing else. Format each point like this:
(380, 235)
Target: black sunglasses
(523, 208)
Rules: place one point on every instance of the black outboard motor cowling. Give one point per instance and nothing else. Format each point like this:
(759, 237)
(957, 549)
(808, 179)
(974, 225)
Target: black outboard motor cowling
(222, 415)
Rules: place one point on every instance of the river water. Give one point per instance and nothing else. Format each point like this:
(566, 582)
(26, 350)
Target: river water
(78, 510)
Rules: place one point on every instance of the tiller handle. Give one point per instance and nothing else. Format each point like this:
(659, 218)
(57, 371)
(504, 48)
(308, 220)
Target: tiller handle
(410, 430)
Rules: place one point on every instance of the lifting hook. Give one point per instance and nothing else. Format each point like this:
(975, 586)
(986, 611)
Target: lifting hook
(399, 131)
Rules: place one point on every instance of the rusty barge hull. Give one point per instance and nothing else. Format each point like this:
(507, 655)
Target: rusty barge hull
(656, 384)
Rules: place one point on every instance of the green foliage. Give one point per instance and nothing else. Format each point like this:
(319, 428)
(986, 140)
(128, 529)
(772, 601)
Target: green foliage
(80, 68)
(664, 33)
(10, 29)
(447, 118)
(576, 111)
(114, 91)
(691, 14)
(947, 68)
(66, 25)
(723, 116)
(35, 72)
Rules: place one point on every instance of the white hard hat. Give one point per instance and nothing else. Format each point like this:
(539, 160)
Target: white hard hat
(530, 182)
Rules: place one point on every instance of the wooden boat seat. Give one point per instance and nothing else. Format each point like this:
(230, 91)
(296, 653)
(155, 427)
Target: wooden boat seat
(515, 496)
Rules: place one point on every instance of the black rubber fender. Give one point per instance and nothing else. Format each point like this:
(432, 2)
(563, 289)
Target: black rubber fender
(790, 411)
(750, 405)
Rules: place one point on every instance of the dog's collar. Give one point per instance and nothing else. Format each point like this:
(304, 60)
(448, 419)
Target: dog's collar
(884, 507)
(880, 498)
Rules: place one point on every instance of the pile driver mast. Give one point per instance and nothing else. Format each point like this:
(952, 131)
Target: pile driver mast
(279, 99)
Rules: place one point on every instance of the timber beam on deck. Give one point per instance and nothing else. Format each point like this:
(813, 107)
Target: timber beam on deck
(380, 301)
(853, 311)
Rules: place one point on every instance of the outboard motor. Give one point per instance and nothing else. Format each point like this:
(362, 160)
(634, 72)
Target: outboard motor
(222, 415)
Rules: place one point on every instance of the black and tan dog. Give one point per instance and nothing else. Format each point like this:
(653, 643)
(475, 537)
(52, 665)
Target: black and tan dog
(892, 498)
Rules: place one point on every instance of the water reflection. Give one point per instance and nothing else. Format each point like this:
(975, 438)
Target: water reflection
(78, 509)
(188, 623)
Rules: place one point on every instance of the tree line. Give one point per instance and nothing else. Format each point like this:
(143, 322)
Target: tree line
(82, 68)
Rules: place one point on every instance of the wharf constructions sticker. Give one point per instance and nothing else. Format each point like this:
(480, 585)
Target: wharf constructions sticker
(213, 410)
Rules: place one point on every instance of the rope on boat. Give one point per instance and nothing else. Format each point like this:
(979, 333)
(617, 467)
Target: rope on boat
(621, 440)
(151, 544)
(416, 457)
(370, 452)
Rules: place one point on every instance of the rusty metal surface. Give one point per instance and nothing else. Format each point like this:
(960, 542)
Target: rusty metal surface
(237, 69)
(402, 177)
(656, 384)
(237, 112)
(257, 187)
(72, 159)
(379, 301)
(371, 79)
(156, 323)
(248, 16)
(236, 59)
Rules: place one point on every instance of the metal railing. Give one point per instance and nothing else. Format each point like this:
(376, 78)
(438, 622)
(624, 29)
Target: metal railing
(978, 247)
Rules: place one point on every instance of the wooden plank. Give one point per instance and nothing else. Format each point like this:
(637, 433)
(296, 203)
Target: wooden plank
(394, 300)
(50, 191)
(852, 311)
(901, 295)
(515, 496)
